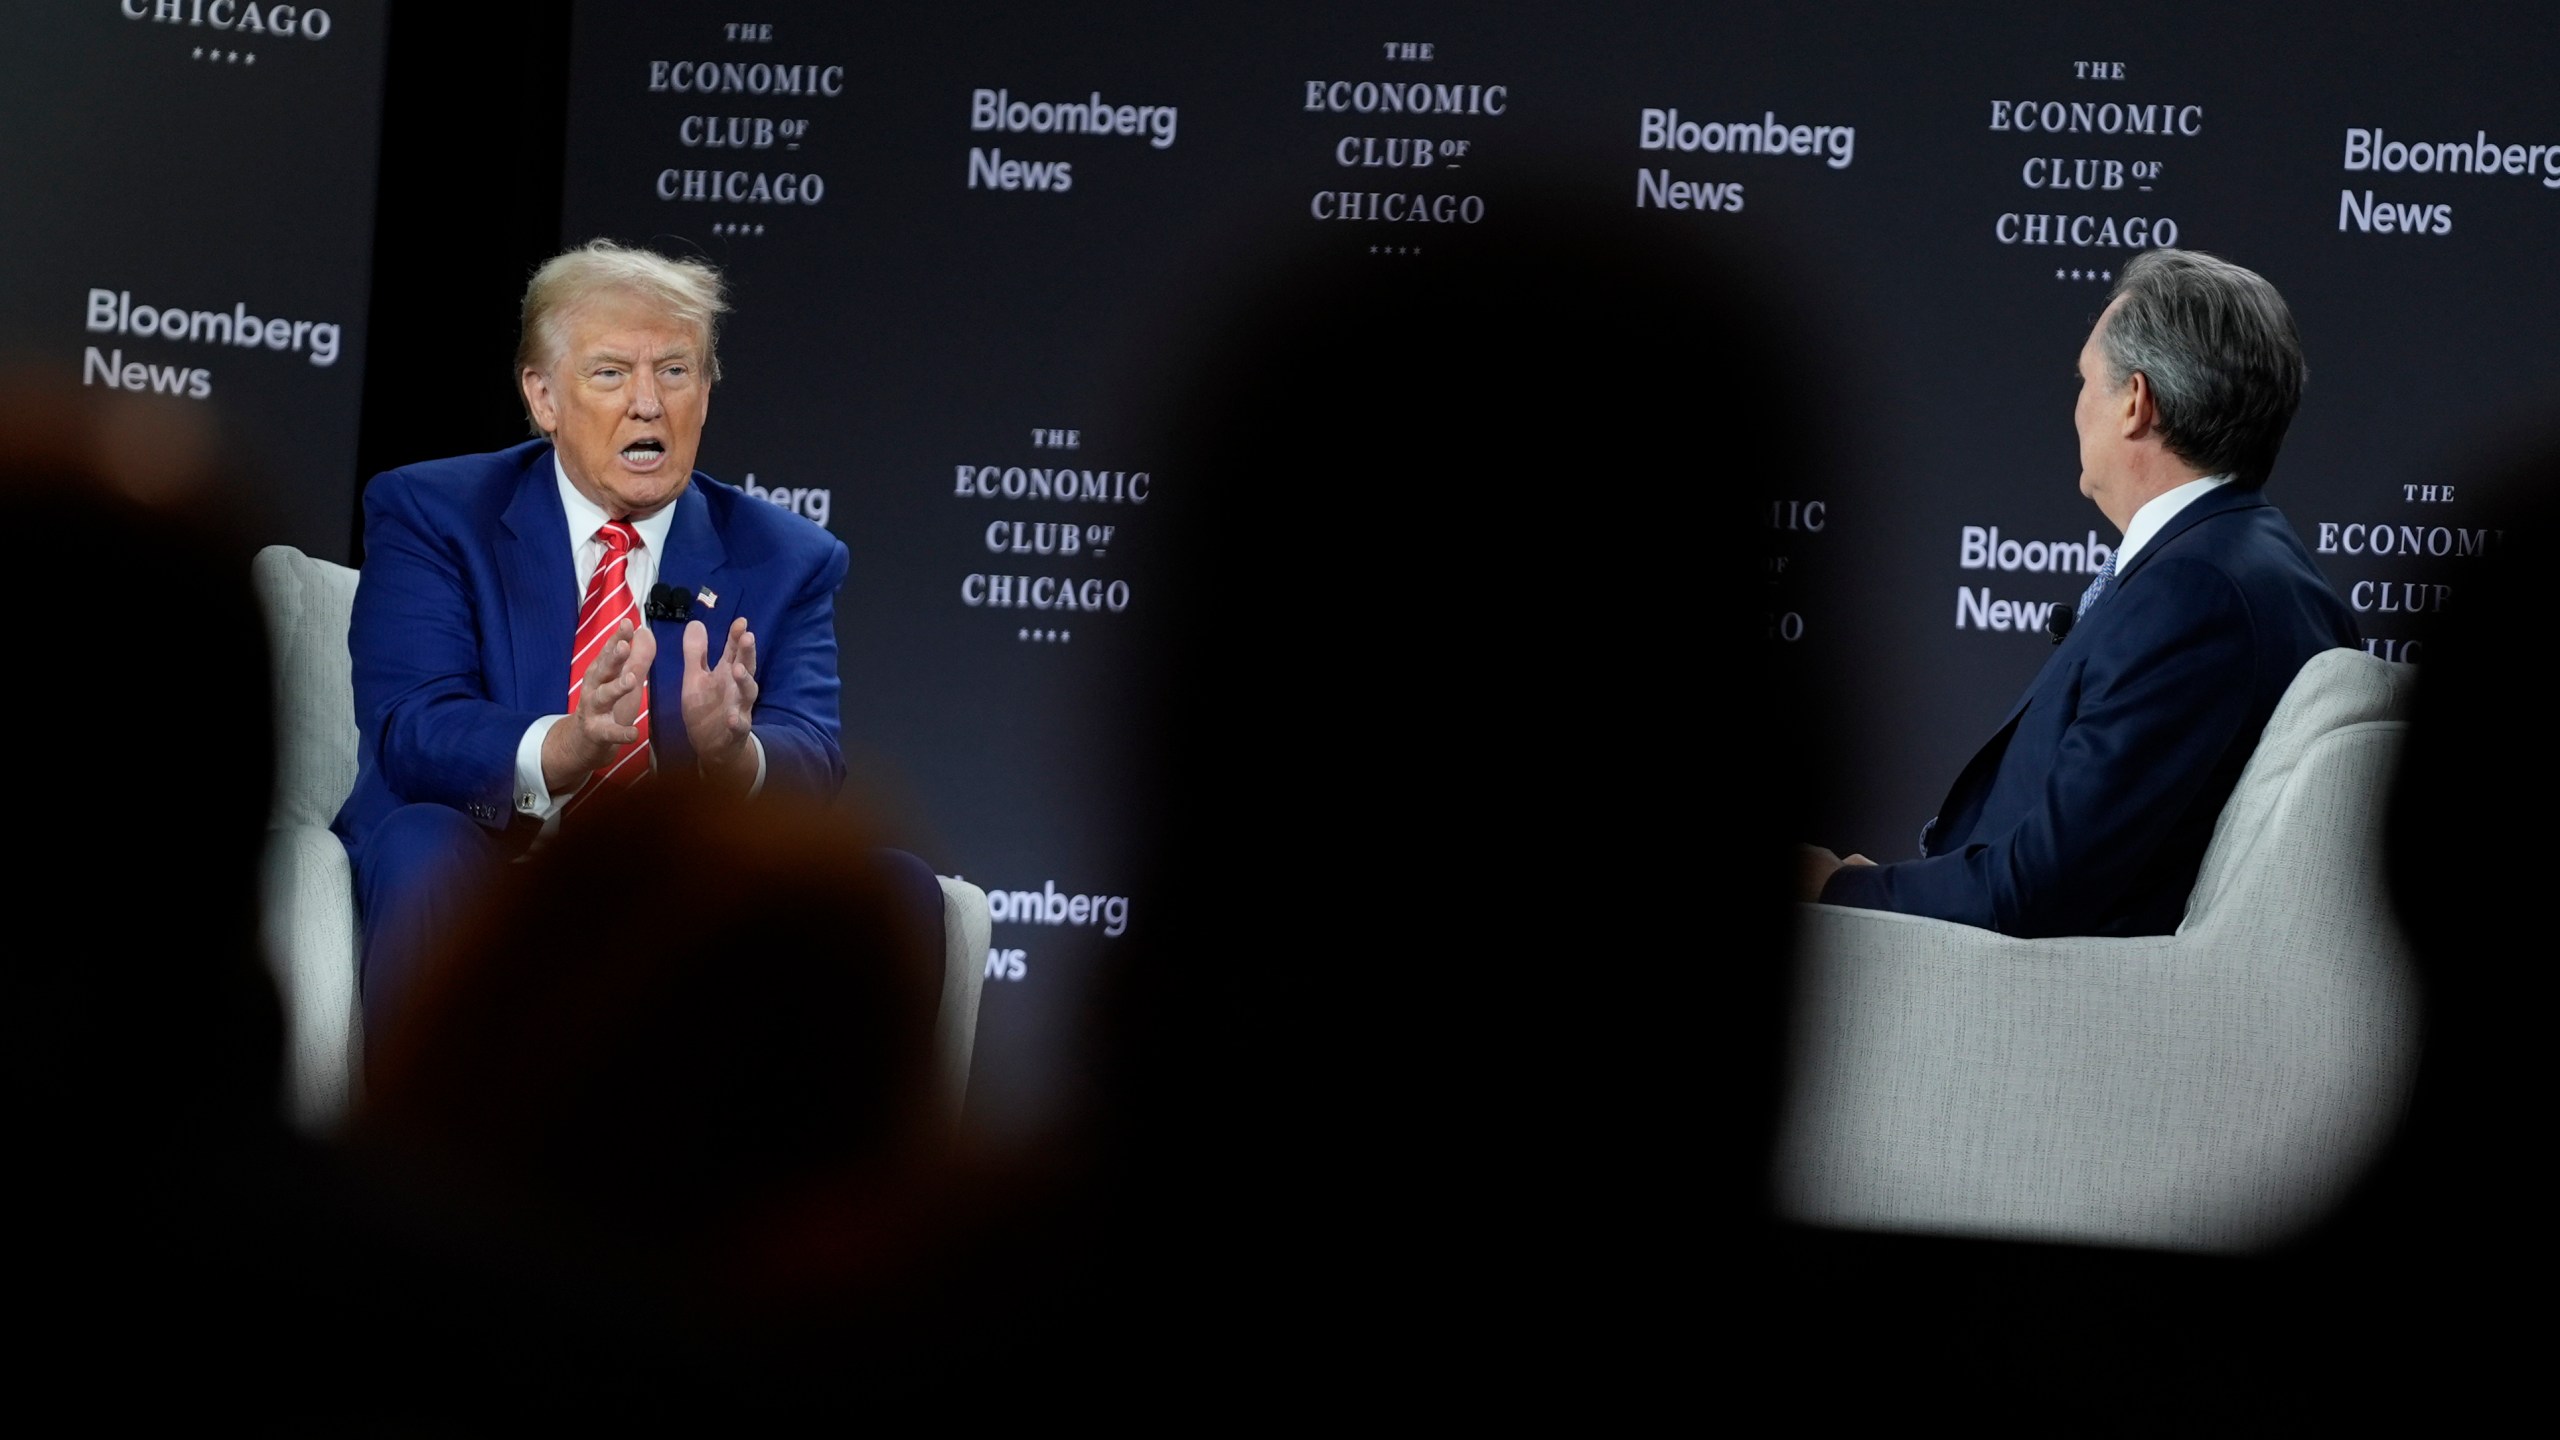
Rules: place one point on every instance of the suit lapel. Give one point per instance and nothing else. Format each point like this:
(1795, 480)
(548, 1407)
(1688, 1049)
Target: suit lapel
(541, 588)
(695, 561)
(2221, 500)
(2054, 665)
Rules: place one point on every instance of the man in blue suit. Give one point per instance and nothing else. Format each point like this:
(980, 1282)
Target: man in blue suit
(530, 629)
(2089, 810)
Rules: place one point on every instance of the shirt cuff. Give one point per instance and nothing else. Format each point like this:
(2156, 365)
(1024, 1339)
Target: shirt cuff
(758, 787)
(533, 796)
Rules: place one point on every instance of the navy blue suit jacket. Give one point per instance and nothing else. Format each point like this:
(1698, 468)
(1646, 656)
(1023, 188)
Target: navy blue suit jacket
(2089, 811)
(469, 603)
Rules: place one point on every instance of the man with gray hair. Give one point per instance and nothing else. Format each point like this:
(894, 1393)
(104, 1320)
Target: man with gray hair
(2088, 811)
(533, 627)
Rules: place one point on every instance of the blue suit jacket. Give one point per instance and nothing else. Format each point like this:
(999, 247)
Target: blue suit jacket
(468, 606)
(2089, 811)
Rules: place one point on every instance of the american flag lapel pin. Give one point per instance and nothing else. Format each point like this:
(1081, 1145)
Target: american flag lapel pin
(709, 600)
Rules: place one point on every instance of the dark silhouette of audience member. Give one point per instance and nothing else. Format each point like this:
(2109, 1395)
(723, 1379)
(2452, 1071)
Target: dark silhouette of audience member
(1457, 1009)
(144, 1035)
(665, 1073)
(2479, 781)
(2442, 1226)
(656, 1123)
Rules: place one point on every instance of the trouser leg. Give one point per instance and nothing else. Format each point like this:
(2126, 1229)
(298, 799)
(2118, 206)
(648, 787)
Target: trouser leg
(418, 872)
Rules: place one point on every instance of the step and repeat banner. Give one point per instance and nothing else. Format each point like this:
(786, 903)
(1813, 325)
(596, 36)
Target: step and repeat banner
(189, 223)
(955, 234)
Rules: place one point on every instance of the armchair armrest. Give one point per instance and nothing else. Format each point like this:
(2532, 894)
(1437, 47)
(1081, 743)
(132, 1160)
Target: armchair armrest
(965, 930)
(310, 934)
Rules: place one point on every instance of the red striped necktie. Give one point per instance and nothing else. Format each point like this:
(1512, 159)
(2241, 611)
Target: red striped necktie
(607, 605)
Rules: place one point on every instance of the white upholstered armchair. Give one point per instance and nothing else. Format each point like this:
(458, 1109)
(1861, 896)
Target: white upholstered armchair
(2216, 1089)
(310, 889)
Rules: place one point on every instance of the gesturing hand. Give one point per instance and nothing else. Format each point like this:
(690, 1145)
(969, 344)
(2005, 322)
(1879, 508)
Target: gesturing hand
(607, 716)
(720, 701)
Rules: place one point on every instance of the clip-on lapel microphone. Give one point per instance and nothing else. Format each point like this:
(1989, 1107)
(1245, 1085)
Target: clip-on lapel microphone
(666, 602)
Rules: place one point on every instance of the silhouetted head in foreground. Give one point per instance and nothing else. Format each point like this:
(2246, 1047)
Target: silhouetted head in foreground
(142, 1021)
(144, 1041)
(2471, 818)
(1468, 954)
(681, 1037)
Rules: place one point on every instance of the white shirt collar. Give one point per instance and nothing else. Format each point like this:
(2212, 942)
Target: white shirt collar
(586, 517)
(2156, 512)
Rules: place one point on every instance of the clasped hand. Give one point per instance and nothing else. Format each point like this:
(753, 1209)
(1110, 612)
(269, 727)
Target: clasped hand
(719, 703)
(1814, 867)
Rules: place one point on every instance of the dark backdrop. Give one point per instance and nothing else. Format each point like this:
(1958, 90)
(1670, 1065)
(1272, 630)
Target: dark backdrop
(472, 117)
(914, 315)
(221, 175)
(934, 309)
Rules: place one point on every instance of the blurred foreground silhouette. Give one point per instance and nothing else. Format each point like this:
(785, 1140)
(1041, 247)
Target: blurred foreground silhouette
(144, 1037)
(666, 1023)
(1456, 1022)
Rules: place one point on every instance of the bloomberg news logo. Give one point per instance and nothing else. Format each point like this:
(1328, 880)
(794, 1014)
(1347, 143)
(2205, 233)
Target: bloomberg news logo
(113, 312)
(811, 502)
(233, 17)
(2373, 150)
(1983, 547)
(1048, 905)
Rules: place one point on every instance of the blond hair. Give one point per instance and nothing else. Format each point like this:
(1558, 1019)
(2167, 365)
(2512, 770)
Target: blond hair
(691, 291)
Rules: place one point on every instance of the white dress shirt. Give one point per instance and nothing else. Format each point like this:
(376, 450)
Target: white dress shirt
(639, 571)
(2158, 511)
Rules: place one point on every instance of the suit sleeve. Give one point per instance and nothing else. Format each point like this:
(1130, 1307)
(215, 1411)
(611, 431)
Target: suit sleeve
(415, 647)
(2158, 707)
(798, 705)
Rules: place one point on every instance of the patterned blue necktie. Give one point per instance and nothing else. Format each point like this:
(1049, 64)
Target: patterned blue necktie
(2097, 587)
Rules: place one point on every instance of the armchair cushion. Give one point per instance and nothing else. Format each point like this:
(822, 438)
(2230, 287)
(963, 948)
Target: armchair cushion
(2216, 1089)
